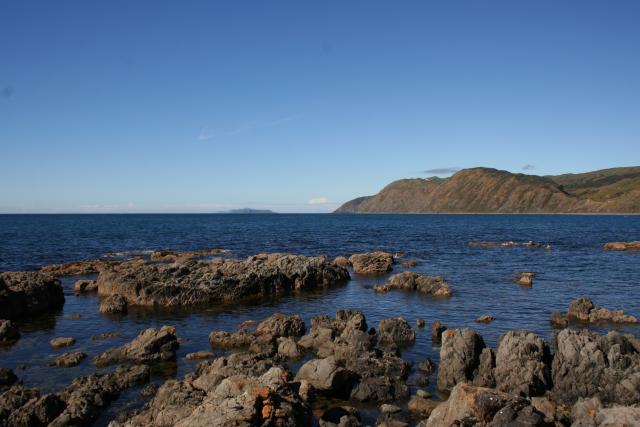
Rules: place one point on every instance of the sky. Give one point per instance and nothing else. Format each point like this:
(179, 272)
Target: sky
(156, 106)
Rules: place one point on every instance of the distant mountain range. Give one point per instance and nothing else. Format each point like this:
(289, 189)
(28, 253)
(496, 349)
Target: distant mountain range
(249, 211)
(486, 190)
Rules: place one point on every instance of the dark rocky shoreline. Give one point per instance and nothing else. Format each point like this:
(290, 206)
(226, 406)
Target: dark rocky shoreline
(274, 371)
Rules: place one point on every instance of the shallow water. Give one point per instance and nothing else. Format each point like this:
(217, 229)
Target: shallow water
(480, 277)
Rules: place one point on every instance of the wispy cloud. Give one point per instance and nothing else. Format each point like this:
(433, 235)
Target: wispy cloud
(528, 167)
(319, 201)
(441, 171)
(206, 133)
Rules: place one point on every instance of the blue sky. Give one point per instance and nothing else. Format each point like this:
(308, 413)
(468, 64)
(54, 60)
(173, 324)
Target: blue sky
(155, 106)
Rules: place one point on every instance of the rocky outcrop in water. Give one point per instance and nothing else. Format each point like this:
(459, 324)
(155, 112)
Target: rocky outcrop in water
(113, 304)
(371, 263)
(524, 278)
(9, 333)
(459, 357)
(85, 286)
(194, 283)
(28, 293)
(583, 310)
(76, 405)
(523, 364)
(622, 246)
(151, 346)
(415, 282)
(173, 256)
(67, 360)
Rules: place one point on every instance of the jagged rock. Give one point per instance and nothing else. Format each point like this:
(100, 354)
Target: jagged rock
(478, 406)
(195, 283)
(591, 413)
(484, 376)
(9, 333)
(62, 342)
(288, 348)
(558, 320)
(340, 416)
(113, 304)
(524, 278)
(437, 328)
(381, 376)
(586, 364)
(281, 325)
(371, 263)
(67, 360)
(415, 282)
(85, 286)
(420, 323)
(485, 319)
(396, 331)
(622, 246)
(152, 345)
(582, 310)
(38, 411)
(199, 355)
(28, 293)
(387, 409)
(12, 399)
(427, 366)
(523, 364)
(341, 262)
(459, 357)
(326, 376)
(421, 406)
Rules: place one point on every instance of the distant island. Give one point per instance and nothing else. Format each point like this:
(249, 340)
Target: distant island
(249, 211)
(486, 190)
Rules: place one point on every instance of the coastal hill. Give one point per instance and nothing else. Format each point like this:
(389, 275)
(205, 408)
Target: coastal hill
(486, 190)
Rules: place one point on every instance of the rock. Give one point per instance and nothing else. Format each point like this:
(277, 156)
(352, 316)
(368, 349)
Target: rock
(371, 263)
(519, 412)
(327, 376)
(281, 325)
(340, 416)
(152, 345)
(200, 283)
(396, 331)
(77, 268)
(546, 407)
(38, 411)
(408, 264)
(62, 342)
(105, 335)
(524, 278)
(67, 360)
(485, 319)
(174, 256)
(381, 377)
(420, 323)
(341, 262)
(586, 364)
(582, 310)
(28, 293)
(388, 409)
(248, 324)
(591, 413)
(415, 282)
(392, 423)
(240, 389)
(199, 355)
(12, 399)
(523, 364)
(437, 328)
(558, 320)
(113, 304)
(288, 348)
(9, 333)
(484, 376)
(427, 366)
(421, 406)
(622, 246)
(509, 244)
(459, 357)
(468, 402)
(149, 390)
(85, 286)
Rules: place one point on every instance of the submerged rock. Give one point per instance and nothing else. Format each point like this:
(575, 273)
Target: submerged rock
(524, 278)
(113, 304)
(622, 246)
(558, 320)
(586, 364)
(199, 355)
(409, 281)
(9, 333)
(67, 360)
(485, 319)
(409, 264)
(195, 283)
(152, 345)
(62, 342)
(371, 263)
(510, 244)
(583, 310)
(85, 286)
(28, 293)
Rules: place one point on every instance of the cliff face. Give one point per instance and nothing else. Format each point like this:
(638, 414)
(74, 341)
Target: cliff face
(484, 190)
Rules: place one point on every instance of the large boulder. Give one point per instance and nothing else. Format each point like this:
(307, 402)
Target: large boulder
(28, 293)
(327, 376)
(415, 282)
(371, 263)
(193, 283)
(9, 333)
(152, 345)
(113, 304)
(459, 357)
(591, 413)
(380, 376)
(586, 364)
(523, 364)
